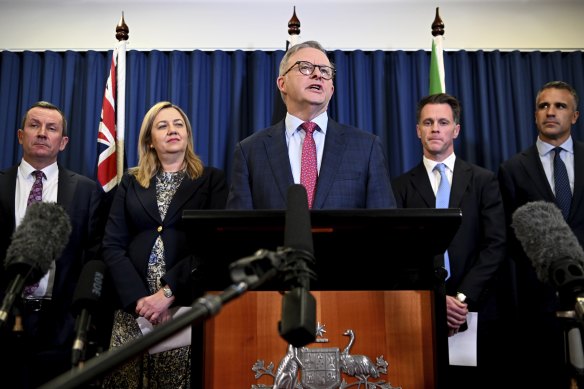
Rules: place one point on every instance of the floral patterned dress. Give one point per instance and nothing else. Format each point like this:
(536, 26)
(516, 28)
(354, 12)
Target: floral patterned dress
(168, 369)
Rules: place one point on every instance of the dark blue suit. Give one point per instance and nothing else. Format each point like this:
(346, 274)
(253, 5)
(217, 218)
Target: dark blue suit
(353, 172)
(540, 333)
(52, 331)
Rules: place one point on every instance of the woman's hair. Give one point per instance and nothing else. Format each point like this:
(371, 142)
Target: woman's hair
(148, 161)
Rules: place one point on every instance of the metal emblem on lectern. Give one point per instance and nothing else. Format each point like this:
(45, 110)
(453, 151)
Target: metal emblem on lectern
(320, 368)
(323, 368)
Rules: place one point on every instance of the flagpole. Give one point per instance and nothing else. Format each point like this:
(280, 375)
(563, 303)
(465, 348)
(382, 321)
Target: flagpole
(122, 34)
(279, 108)
(437, 78)
(293, 30)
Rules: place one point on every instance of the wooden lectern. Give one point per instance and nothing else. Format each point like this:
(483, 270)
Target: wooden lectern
(377, 276)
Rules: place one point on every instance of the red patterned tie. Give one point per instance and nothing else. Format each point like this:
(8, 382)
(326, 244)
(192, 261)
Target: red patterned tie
(35, 196)
(308, 166)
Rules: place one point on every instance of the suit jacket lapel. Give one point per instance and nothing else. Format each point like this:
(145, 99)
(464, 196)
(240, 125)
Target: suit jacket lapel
(7, 193)
(277, 151)
(460, 180)
(67, 186)
(184, 193)
(532, 165)
(421, 184)
(147, 197)
(334, 148)
(576, 208)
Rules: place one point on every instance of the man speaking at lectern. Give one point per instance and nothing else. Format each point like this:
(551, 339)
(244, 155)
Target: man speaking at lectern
(340, 166)
(478, 248)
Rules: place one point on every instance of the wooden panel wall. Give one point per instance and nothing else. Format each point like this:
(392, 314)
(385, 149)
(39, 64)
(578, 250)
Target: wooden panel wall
(397, 325)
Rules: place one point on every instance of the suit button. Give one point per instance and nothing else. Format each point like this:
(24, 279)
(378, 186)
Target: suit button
(159, 229)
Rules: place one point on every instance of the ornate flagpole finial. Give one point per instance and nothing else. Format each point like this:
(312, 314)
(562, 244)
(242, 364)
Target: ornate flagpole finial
(294, 24)
(122, 30)
(438, 24)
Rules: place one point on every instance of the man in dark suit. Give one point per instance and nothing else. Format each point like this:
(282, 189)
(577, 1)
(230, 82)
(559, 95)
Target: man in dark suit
(529, 176)
(478, 248)
(351, 165)
(46, 339)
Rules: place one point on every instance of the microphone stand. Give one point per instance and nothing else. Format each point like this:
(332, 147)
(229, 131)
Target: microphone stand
(255, 270)
(298, 323)
(574, 351)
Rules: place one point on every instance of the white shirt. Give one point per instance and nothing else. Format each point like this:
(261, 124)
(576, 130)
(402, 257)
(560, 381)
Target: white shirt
(295, 138)
(434, 175)
(24, 181)
(546, 155)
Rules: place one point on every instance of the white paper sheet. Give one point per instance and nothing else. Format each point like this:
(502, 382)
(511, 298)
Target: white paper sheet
(462, 347)
(180, 339)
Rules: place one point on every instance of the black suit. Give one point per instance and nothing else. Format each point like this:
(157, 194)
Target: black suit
(477, 249)
(134, 224)
(51, 332)
(523, 180)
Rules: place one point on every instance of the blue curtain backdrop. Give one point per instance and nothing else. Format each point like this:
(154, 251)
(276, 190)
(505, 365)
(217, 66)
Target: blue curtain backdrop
(230, 94)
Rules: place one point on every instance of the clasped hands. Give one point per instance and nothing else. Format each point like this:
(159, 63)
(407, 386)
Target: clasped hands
(155, 308)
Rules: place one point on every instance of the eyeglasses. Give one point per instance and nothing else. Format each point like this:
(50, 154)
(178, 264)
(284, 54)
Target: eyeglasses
(307, 68)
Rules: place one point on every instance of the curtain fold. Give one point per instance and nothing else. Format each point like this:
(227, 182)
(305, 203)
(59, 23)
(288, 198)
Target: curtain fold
(228, 95)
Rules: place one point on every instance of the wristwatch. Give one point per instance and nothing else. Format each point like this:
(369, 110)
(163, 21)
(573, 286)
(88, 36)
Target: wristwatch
(167, 291)
(459, 296)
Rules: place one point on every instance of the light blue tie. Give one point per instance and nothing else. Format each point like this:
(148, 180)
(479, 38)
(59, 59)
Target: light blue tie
(442, 199)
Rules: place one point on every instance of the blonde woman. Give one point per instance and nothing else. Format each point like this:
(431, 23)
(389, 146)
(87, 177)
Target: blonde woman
(145, 246)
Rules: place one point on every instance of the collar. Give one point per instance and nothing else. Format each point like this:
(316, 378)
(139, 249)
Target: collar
(25, 170)
(431, 164)
(544, 148)
(292, 123)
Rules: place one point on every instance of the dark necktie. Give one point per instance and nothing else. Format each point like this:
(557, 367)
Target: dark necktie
(562, 184)
(442, 199)
(35, 196)
(308, 165)
(36, 193)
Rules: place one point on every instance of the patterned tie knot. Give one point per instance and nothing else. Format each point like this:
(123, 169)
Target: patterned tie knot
(38, 175)
(309, 127)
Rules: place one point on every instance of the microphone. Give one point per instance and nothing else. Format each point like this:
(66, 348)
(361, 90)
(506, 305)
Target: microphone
(37, 241)
(257, 268)
(298, 324)
(86, 301)
(553, 250)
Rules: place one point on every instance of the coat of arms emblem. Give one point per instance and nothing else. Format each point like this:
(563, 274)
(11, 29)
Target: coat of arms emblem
(324, 368)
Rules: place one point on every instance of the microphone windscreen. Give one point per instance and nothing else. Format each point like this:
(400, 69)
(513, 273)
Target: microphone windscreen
(38, 240)
(545, 236)
(90, 286)
(298, 231)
